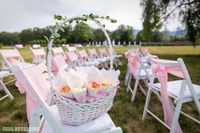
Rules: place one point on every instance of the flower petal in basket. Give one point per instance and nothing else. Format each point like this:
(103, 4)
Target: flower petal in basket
(77, 82)
(109, 79)
(62, 87)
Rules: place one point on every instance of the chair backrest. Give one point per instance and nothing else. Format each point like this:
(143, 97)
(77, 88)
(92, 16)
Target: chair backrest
(92, 53)
(136, 63)
(38, 52)
(72, 58)
(71, 48)
(18, 46)
(35, 83)
(103, 52)
(58, 51)
(58, 63)
(11, 57)
(38, 55)
(35, 46)
(178, 69)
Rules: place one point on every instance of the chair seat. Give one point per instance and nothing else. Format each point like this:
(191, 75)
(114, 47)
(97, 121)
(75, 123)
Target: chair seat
(119, 56)
(173, 88)
(92, 63)
(101, 60)
(4, 73)
(143, 74)
(100, 124)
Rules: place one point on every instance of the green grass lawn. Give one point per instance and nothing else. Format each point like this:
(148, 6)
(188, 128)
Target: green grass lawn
(124, 113)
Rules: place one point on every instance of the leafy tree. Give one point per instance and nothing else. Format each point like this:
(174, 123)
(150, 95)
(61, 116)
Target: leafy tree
(123, 33)
(82, 33)
(157, 36)
(139, 36)
(9, 38)
(26, 35)
(151, 19)
(99, 35)
(66, 34)
(188, 11)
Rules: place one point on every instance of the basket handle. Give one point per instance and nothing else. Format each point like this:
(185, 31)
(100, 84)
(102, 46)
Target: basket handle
(54, 32)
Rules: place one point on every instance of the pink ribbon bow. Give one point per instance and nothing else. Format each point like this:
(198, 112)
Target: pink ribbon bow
(162, 73)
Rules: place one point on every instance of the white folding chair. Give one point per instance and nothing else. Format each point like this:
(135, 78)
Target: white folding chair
(115, 56)
(72, 49)
(93, 56)
(58, 51)
(10, 57)
(181, 91)
(72, 59)
(36, 46)
(38, 55)
(4, 74)
(59, 64)
(84, 59)
(104, 54)
(45, 118)
(19, 46)
(138, 70)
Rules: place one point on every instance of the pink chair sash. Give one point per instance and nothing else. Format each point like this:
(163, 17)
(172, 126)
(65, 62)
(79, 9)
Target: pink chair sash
(162, 72)
(72, 56)
(34, 82)
(133, 61)
(58, 62)
(103, 52)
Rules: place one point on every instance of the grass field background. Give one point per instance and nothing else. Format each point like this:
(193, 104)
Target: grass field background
(124, 113)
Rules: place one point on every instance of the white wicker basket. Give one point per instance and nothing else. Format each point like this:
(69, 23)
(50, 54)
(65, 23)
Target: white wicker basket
(74, 113)
(71, 112)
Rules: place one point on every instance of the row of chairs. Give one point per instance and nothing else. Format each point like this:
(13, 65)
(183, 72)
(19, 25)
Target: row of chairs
(75, 57)
(144, 66)
(42, 113)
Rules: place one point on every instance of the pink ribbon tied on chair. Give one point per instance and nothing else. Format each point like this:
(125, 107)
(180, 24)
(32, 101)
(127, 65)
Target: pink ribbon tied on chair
(162, 73)
(134, 65)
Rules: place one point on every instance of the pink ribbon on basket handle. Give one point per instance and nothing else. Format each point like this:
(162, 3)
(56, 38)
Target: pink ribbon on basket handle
(168, 110)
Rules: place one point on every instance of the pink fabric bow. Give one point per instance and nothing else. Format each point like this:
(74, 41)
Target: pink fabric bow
(162, 73)
(134, 65)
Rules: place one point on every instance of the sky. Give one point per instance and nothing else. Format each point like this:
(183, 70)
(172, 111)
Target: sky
(16, 15)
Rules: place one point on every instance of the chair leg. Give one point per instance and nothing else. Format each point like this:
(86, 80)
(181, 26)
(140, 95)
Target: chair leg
(6, 90)
(129, 83)
(134, 90)
(35, 121)
(126, 77)
(176, 117)
(146, 104)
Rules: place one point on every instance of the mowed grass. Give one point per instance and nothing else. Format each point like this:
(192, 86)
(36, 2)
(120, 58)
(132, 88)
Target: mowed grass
(124, 113)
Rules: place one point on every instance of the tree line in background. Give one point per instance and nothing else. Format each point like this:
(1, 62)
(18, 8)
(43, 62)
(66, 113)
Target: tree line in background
(80, 33)
(155, 13)
(83, 33)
